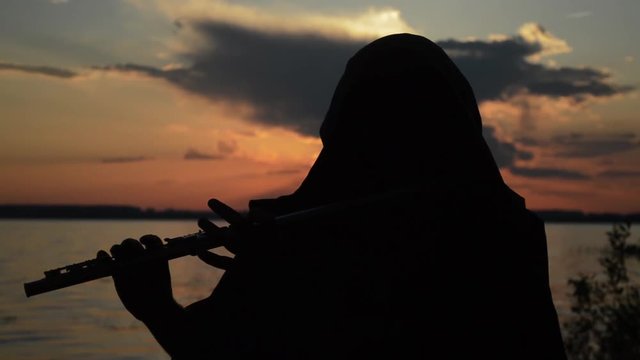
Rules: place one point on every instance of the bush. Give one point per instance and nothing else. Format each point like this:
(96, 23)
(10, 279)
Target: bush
(605, 321)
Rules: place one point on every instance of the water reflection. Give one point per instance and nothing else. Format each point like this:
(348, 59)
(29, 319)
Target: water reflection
(88, 322)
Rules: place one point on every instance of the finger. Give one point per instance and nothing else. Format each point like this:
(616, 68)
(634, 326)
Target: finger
(206, 225)
(102, 255)
(116, 251)
(151, 242)
(227, 213)
(220, 234)
(215, 260)
(130, 248)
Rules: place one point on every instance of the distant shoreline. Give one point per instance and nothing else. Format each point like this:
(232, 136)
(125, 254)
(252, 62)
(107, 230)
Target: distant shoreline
(118, 212)
(106, 212)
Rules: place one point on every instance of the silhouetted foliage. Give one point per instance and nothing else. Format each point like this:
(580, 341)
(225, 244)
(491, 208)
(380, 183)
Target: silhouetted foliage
(605, 322)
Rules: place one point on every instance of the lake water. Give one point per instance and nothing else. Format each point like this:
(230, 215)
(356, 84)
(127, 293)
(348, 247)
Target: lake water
(87, 321)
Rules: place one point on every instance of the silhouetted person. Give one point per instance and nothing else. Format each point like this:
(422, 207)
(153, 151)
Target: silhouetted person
(428, 254)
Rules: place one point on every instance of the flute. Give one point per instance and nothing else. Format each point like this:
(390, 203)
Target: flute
(192, 244)
(103, 267)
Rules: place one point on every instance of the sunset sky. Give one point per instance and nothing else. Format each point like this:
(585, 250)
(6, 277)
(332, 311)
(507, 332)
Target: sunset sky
(167, 103)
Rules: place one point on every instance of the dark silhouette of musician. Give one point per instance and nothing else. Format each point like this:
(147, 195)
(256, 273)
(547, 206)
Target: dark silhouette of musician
(419, 249)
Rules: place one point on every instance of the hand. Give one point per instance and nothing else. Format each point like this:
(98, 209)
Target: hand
(241, 232)
(229, 236)
(145, 288)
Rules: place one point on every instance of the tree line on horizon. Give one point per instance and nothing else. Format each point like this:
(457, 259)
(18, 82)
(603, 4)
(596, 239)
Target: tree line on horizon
(134, 212)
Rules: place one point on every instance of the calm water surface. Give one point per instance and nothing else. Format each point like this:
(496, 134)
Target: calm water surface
(88, 322)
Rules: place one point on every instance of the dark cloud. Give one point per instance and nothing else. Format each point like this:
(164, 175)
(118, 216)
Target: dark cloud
(617, 174)
(505, 153)
(528, 141)
(497, 69)
(524, 155)
(124, 159)
(289, 78)
(42, 70)
(564, 193)
(553, 173)
(579, 145)
(193, 154)
(224, 150)
(287, 171)
(143, 69)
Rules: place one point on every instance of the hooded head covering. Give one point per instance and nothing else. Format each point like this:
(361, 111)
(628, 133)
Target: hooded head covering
(403, 117)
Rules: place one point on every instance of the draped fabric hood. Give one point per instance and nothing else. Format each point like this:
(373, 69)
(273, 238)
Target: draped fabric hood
(403, 117)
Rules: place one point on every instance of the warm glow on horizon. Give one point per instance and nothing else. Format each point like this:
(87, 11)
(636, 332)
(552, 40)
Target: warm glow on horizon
(155, 108)
(127, 139)
(159, 184)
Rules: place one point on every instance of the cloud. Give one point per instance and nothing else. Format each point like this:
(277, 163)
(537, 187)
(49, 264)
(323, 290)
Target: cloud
(367, 24)
(579, 14)
(41, 70)
(617, 174)
(58, 2)
(288, 78)
(193, 154)
(124, 159)
(505, 153)
(535, 34)
(504, 67)
(579, 145)
(509, 155)
(544, 172)
(572, 145)
(528, 141)
(227, 147)
(287, 171)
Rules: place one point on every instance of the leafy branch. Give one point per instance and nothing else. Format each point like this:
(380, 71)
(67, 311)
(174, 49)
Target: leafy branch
(605, 321)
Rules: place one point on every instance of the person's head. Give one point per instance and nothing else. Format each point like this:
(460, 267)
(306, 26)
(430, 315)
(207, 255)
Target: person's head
(400, 83)
(402, 117)
(404, 108)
